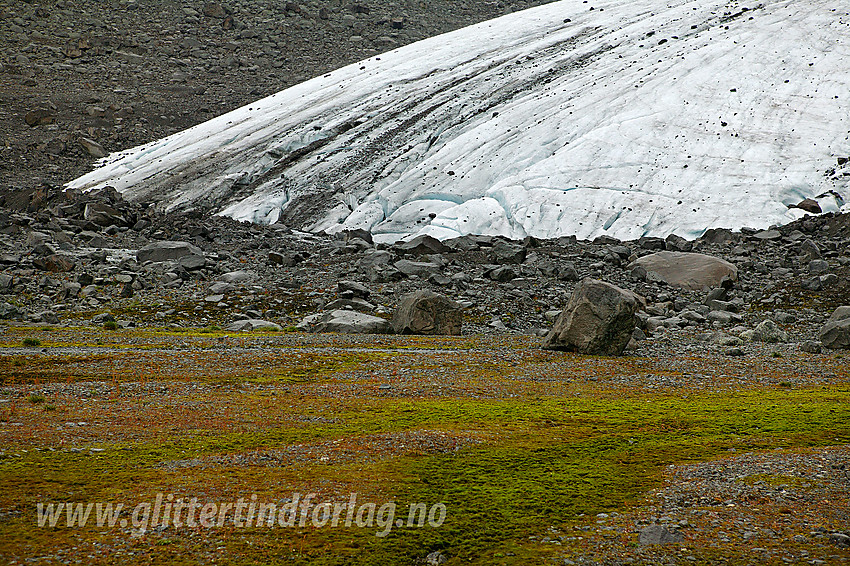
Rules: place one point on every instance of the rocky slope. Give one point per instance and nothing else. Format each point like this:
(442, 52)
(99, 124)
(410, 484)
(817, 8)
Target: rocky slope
(81, 78)
(83, 258)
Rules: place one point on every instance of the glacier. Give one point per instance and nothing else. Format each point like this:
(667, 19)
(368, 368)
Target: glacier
(627, 118)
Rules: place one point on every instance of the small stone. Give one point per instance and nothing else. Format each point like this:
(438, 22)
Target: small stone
(93, 148)
(38, 117)
(818, 266)
(502, 274)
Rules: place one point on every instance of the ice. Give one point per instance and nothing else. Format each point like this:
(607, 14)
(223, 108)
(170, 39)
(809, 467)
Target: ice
(619, 117)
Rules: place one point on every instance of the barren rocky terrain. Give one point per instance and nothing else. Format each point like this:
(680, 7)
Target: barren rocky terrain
(124, 73)
(143, 353)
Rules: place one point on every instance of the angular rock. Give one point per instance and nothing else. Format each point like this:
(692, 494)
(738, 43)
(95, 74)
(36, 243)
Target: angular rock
(346, 322)
(810, 249)
(687, 270)
(422, 245)
(818, 266)
(374, 258)
(103, 215)
(811, 347)
(811, 284)
(221, 287)
(55, 263)
(504, 252)
(165, 251)
(238, 277)
(768, 235)
(568, 272)
(659, 534)
(93, 148)
(252, 324)
(810, 205)
(355, 304)
(8, 312)
(426, 312)
(767, 331)
(502, 274)
(599, 319)
(419, 268)
(835, 334)
(47, 317)
(352, 289)
(192, 262)
(676, 243)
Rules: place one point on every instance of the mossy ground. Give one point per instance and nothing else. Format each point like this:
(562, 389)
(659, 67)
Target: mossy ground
(513, 440)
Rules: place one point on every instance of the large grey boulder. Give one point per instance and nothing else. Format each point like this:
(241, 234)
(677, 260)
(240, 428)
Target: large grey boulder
(836, 332)
(165, 251)
(598, 319)
(427, 312)
(687, 270)
(345, 322)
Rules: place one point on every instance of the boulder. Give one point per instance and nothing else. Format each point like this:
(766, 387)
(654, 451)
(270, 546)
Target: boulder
(286, 259)
(687, 270)
(55, 263)
(165, 251)
(767, 331)
(422, 245)
(238, 277)
(502, 274)
(598, 319)
(427, 312)
(836, 332)
(103, 215)
(659, 534)
(346, 322)
(349, 289)
(374, 258)
(504, 252)
(419, 268)
(252, 324)
(8, 311)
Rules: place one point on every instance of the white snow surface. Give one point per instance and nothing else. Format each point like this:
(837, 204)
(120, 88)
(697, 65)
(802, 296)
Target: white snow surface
(618, 117)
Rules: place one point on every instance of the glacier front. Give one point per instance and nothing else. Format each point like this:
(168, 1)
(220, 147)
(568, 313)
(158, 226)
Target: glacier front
(618, 117)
